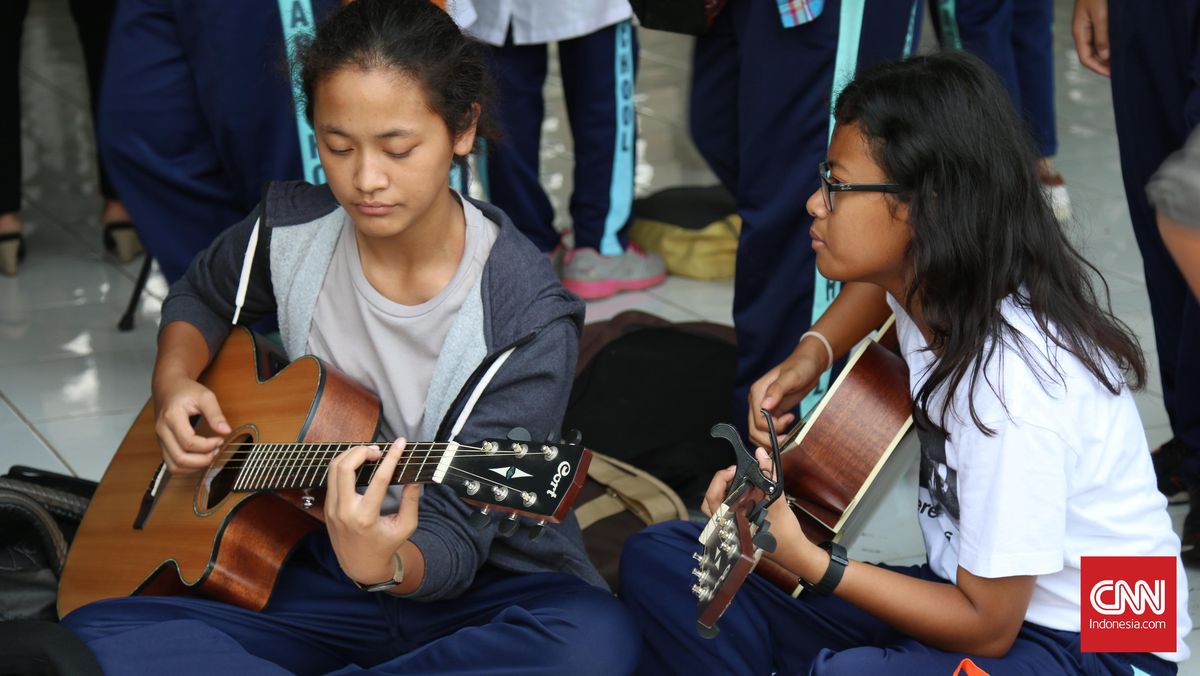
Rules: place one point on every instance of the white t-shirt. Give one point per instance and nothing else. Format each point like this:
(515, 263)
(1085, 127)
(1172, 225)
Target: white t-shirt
(1067, 474)
(538, 21)
(405, 340)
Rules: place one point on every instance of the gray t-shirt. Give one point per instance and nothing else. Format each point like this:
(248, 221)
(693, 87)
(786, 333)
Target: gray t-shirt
(392, 349)
(1174, 189)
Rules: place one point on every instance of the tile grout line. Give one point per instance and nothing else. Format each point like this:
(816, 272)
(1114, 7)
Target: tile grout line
(37, 433)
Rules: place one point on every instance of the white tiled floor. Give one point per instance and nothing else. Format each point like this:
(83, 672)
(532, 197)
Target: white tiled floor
(70, 384)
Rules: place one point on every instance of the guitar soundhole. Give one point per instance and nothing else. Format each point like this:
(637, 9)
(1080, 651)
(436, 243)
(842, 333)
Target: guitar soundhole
(224, 472)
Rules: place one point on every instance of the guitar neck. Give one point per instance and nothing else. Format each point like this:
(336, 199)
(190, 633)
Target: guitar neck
(299, 465)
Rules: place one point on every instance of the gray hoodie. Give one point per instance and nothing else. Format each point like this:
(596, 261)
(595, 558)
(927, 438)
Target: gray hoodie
(518, 312)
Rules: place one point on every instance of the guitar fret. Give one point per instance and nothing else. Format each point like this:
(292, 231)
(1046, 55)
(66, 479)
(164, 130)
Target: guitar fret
(270, 476)
(247, 472)
(424, 459)
(279, 474)
(299, 455)
(263, 468)
(404, 468)
(325, 467)
(310, 463)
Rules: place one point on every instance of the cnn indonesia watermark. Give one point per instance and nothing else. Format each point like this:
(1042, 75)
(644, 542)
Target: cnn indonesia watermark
(1127, 604)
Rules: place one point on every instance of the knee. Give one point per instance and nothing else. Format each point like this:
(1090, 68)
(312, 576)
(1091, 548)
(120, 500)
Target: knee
(850, 662)
(655, 558)
(600, 638)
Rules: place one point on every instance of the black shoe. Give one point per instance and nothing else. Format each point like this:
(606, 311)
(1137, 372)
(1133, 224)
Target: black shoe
(1168, 468)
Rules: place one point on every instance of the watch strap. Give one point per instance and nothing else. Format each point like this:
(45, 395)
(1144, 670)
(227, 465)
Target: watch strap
(833, 573)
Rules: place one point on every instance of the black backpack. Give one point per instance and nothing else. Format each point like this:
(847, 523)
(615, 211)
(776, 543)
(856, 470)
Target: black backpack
(648, 391)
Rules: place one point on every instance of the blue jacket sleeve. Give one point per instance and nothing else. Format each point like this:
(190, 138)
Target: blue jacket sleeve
(205, 296)
(530, 391)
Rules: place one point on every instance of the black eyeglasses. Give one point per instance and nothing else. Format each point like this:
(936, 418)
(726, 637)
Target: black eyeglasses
(827, 188)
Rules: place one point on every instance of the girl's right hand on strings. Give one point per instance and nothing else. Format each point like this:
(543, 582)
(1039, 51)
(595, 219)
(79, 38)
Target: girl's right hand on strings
(782, 388)
(183, 449)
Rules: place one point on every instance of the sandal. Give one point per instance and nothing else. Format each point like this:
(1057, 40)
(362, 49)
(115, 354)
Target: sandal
(121, 240)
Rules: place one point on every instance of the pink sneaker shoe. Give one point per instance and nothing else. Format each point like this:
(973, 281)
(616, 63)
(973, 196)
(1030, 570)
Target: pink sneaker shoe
(591, 276)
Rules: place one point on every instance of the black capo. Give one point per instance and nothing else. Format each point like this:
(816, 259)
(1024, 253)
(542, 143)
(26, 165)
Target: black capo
(749, 471)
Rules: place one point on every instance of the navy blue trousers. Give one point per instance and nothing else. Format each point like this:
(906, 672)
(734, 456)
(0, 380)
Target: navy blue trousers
(1016, 39)
(195, 116)
(760, 116)
(1156, 104)
(766, 631)
(598, 78)
(317, 622)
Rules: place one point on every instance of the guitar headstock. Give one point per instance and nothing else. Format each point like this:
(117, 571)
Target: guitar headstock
(520, 477)
(728, 556)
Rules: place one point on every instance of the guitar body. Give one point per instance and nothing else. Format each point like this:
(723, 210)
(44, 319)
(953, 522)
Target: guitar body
(834, 469)
(848, 450)
(195, 536)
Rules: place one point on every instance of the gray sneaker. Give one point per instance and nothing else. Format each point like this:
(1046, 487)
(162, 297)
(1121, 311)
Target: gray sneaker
(591, 276)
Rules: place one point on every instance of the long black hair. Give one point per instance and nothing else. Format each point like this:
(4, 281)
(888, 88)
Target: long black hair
(414, 37)
(943, 127)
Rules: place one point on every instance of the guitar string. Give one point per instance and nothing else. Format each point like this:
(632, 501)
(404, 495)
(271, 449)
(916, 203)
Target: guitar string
(312, 462)
(416, 479)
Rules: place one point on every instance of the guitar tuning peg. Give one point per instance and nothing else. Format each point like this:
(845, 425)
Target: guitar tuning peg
(519, 434)
(538, 530)
(764, 541)
(480, 520)
(509, 526)
(573, 437)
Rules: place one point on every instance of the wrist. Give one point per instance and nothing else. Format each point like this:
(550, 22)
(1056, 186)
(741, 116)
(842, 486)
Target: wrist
(811, 352)
(382, 574)
(828, 574)
(816, 337)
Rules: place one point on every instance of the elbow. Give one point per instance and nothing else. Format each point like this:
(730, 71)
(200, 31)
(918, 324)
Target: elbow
(995, 644)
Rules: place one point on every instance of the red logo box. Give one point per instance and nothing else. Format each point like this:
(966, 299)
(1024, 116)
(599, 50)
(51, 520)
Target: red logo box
(1127, 604)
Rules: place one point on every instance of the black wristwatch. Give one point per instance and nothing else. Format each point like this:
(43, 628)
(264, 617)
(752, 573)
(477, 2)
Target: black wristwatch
(833, 574)
(397, 577)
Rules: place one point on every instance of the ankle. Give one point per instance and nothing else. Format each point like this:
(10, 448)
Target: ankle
(11, 223)
(114, 212)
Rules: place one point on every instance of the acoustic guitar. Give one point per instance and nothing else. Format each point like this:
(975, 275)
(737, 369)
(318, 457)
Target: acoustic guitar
(858, 439)
(225, 532)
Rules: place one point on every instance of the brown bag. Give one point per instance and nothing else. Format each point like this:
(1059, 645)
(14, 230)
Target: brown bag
(618, 500)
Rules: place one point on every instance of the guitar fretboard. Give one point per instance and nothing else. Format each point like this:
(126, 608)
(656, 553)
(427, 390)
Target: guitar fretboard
(292, 466)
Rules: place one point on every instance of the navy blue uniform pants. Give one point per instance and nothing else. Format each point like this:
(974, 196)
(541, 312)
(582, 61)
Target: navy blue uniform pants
(598, 79)
(760, 116)
(318, 622)
(766, 631)
(1015, 38)
(1156, 103)
(195, 116)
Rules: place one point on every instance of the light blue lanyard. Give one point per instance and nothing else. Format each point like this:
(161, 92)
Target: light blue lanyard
(849, 36)
(297, 19)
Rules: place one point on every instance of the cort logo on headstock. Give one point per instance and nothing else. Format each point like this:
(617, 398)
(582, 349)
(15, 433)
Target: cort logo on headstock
(564, 469)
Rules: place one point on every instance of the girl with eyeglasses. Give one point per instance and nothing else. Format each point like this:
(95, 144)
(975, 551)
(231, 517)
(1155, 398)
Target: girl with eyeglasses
(930, 209)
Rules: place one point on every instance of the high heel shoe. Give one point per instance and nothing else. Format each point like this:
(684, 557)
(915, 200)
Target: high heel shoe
(12, 252)
(121, 240)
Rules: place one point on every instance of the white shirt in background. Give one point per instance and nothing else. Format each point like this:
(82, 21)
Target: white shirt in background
(536, 21)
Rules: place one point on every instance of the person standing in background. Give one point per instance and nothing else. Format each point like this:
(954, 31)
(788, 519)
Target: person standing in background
(92, 21)
(1151, 51)
(1015, 38)
(764, 76)
(196, 115)
(597, 51)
